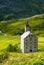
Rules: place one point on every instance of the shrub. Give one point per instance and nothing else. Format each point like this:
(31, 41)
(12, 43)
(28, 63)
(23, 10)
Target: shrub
(3, 56)
(12, 48)
(38, 63)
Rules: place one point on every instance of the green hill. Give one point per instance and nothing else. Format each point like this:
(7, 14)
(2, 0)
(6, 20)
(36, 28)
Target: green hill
(14, 27)
(10, 32)
(13, 9)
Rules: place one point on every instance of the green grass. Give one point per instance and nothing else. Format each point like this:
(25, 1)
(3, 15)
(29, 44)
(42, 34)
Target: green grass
(36, 58)
(15, 26)
(41, 43)
(6, 40)
(27, 59)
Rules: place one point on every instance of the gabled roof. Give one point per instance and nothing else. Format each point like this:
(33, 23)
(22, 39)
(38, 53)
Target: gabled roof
(25, 34)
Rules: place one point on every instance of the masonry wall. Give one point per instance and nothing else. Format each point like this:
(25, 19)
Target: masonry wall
(29, 44)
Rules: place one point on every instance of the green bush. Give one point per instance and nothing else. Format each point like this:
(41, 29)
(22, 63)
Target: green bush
(12, 48)
(38, 63)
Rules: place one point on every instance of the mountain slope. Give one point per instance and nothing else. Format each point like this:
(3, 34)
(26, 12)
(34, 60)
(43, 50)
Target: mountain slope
(15, 27)
(10, 9)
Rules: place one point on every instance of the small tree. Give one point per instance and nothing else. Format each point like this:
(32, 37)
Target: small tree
(11, 48)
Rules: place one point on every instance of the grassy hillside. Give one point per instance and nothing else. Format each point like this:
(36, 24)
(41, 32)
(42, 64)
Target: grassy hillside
(15, 58)
(15, 40)
(14, 27)
(25, 59)
(10, 32)
(10, 9)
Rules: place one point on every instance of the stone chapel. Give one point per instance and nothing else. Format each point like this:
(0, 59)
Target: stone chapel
(29, 42)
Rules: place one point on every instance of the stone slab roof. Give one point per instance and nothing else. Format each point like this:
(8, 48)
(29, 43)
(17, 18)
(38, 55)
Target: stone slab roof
(25, 34)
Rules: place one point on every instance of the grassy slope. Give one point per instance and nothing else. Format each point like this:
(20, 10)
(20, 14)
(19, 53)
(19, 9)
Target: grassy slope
(16, 26)
(13, 27)
(25, 59)
(19, 58)
(5, 41)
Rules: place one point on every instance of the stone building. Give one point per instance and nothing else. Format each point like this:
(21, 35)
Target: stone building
(29, 42)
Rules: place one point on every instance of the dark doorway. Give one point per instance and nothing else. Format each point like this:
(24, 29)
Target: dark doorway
(30, 50)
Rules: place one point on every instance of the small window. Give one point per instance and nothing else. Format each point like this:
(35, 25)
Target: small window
(26, 47)
(30, 38)
(35, 42)
(29, 35)
(26, 40)
(31, 41)
(34, 47)
(35, 38)
(26, 44)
